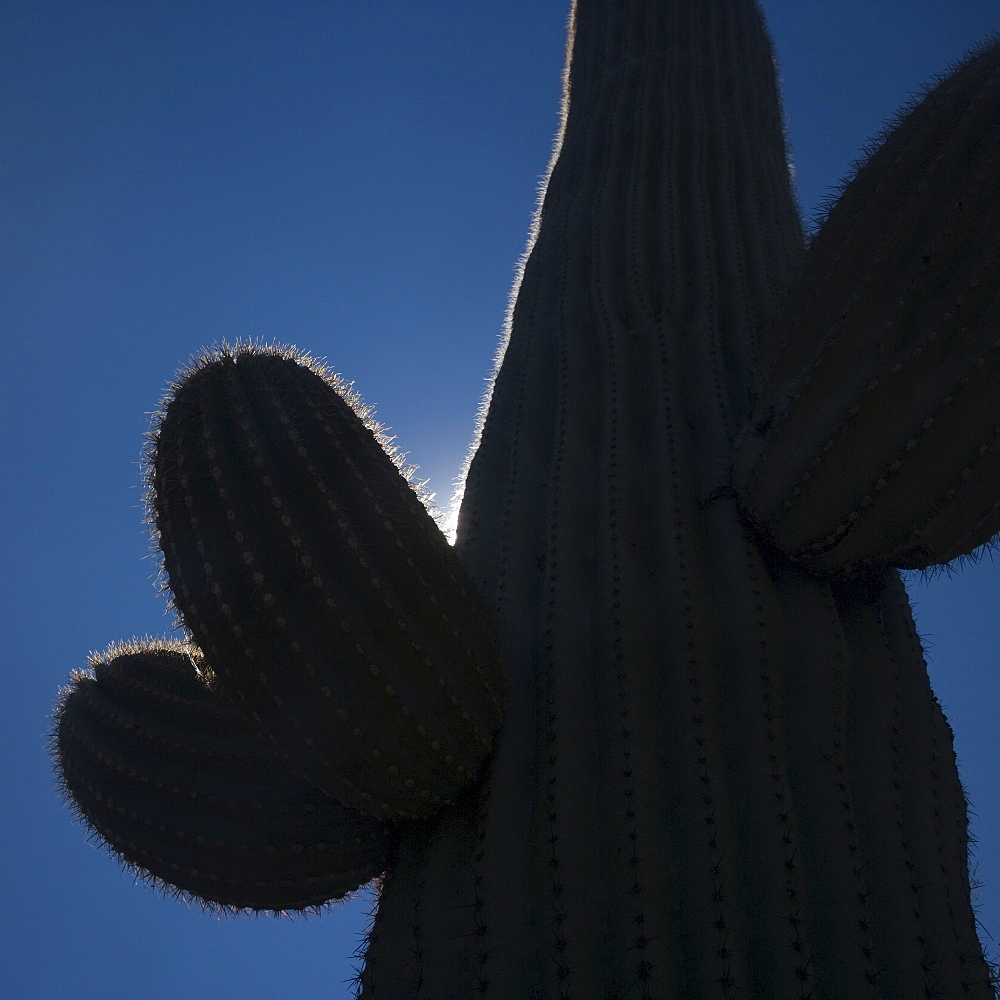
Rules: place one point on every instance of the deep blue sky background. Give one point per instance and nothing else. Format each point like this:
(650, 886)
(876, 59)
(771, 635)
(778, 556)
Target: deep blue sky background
(356, 178)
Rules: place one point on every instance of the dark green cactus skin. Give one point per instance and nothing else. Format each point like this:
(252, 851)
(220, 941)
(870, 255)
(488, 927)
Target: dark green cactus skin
(717, 769)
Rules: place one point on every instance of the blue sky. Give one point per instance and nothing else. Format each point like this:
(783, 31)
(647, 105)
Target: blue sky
(357, 179)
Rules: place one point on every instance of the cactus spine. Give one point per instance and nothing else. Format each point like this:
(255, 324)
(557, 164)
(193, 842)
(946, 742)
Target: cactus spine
(718, 769)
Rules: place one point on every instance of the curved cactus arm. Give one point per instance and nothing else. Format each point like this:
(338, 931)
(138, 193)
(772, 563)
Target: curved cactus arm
(326, 600)
(876, 434)
(171, 778)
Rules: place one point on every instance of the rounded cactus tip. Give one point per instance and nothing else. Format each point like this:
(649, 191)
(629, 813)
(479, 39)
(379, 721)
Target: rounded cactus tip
(275, 357)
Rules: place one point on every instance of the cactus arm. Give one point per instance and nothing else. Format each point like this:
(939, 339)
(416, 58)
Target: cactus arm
(876, 434)
(171, 778)
(324, 597)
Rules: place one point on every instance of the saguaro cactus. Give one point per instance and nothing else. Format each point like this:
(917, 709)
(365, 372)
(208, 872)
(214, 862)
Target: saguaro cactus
(659, 724)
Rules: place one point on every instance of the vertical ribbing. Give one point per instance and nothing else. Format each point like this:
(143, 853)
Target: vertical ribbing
(810, 688)
(900, 775)
(619, 663)
(651, 127)
(783, 891)
(483, 941)
(933, 819)
(710, 943)
(561, 958)
(913, 771)
(864, 699)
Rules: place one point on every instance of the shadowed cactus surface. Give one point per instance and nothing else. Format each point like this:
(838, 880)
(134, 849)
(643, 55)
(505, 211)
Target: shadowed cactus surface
(659, 724)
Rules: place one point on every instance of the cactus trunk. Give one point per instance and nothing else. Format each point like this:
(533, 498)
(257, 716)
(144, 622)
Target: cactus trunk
(718, 775)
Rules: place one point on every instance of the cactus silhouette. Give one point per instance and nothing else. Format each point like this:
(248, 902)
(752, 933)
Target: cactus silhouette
(659, 724)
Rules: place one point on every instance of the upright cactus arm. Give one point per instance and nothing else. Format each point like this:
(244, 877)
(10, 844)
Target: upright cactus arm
(171, 778)
(327, 602)
(876, 434)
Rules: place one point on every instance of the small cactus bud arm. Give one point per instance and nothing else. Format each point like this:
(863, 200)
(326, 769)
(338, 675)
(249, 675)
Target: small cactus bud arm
(171, 778)
(326, 600)
(875, 436)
